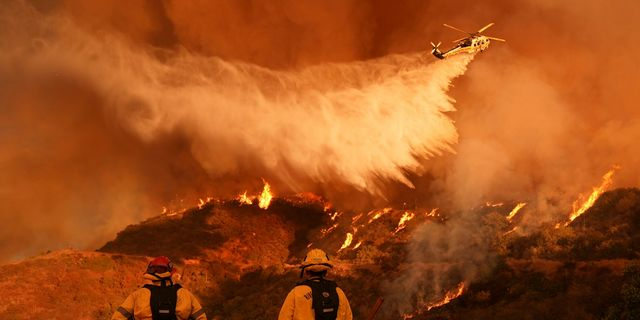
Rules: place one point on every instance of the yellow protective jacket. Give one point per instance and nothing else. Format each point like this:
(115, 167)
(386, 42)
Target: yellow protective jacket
(137, 305)
(298, 305)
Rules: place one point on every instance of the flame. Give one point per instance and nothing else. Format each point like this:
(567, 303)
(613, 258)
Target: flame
(607, 180)
(515, 210)
(357, 245)
(264, 199)
(406, 217)
(377, 214)
(243, 199)
(347, 241)
(356, 218)
(448, 297)
(202, 203)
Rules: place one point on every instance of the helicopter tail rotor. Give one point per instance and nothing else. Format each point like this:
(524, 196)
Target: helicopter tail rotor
(435, 47)
(435, 50)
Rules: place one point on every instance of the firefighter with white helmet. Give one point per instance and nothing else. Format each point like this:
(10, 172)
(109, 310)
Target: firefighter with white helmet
(316, 298)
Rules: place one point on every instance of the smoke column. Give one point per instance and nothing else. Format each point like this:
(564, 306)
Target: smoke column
(359, 124)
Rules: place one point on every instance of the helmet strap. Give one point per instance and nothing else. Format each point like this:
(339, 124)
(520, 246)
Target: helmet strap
(302, 271)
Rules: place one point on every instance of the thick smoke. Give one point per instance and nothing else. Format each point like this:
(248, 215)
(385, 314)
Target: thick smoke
(440, 258)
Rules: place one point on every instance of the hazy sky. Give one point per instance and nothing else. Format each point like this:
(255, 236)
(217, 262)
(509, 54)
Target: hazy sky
(112, 109)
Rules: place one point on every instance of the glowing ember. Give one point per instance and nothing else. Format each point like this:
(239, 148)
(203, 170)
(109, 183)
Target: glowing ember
(448, 297)
(406, 217)
(515, 210)
(356, 218)
(432, 213)
(510, 231)
(335, 215)
(325, 232)
(174, 213)
(347, 241)
(493, 205)
(357, 245)
(264, 199)
(243, 199)
(578, 210)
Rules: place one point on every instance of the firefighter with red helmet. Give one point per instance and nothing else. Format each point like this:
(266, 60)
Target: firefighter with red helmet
(316, 298)
(160, 298)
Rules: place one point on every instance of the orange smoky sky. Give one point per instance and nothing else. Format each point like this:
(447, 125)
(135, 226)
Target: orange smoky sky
(112, 109)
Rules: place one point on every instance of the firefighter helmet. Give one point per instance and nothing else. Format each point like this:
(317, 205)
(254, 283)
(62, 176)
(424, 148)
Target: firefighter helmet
(316, 260)
(160, 265)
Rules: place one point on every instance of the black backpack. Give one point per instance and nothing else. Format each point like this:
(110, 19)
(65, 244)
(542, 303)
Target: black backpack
(325, 298)
(163, 301)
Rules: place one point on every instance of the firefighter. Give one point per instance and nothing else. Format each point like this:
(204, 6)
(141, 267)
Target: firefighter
(160, 298)
(316, 298)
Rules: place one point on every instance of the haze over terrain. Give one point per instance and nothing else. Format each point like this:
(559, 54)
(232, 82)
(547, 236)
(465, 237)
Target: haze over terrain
(112, 110)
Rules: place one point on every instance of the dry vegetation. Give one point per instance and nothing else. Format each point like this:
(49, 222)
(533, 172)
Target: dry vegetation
(240, 261)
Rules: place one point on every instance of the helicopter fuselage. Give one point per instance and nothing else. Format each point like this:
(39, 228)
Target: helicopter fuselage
(473, 44)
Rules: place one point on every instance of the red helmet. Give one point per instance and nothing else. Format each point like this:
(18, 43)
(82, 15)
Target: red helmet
(159, 265)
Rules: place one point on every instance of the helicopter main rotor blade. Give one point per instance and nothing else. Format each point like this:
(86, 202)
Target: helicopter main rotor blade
(459, 39)
(486, 27)
(454, 28)
(497, 39)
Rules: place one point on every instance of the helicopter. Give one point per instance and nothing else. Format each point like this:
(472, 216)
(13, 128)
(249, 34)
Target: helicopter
(475, 42)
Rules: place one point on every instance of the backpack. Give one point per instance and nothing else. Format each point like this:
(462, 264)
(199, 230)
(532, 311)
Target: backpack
(163, 301)
(325, 298)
